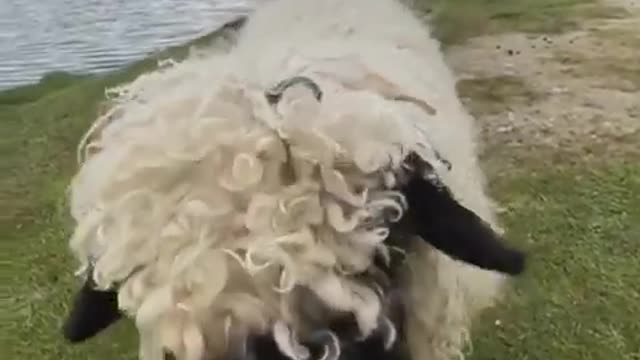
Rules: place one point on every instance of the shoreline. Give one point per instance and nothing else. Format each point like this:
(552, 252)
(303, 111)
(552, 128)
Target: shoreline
(58, 80)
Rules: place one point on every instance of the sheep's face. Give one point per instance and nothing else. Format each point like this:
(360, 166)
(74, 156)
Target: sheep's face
(263, 214)
(208, 213)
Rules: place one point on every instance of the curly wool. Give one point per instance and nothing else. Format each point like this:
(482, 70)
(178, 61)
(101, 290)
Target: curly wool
(206, 206)
(186, 210)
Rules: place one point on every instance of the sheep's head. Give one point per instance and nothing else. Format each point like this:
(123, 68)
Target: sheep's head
(261, 212)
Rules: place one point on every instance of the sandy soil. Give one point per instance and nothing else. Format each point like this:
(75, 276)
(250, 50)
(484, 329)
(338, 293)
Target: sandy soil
(572, 92)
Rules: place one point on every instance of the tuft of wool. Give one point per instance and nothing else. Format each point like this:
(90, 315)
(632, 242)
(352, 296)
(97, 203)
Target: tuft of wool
(206, 205)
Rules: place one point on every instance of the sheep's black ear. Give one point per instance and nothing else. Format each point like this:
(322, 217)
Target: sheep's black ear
(440, 220)
(93, 311)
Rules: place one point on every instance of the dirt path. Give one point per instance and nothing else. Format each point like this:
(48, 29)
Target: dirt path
(577, 92)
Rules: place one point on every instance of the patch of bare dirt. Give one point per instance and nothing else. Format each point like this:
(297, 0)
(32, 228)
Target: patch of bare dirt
(575, 92)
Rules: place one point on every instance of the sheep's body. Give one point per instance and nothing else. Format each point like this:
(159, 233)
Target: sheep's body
(182, 181)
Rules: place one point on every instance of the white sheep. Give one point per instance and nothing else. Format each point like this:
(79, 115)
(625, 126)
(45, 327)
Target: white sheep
(219, 193)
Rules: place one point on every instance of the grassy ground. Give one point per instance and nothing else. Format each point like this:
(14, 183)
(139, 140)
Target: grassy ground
(576, 208)
(580, 220)
(581, 297)
(458, 20)
(490, 95)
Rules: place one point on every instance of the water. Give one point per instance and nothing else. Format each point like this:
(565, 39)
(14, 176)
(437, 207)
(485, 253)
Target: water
(39, 36)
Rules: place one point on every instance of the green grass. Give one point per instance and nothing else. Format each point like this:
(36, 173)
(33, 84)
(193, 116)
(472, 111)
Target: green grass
(458, 20)
(579, 300)
(580, 297)
(49, 83)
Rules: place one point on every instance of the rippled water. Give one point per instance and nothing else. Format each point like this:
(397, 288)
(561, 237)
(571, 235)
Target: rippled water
(39, 36)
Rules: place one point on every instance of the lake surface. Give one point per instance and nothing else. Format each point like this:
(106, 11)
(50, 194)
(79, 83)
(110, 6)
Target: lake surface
(39, 36)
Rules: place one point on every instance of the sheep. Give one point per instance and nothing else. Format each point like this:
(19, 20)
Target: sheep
(222, 200)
